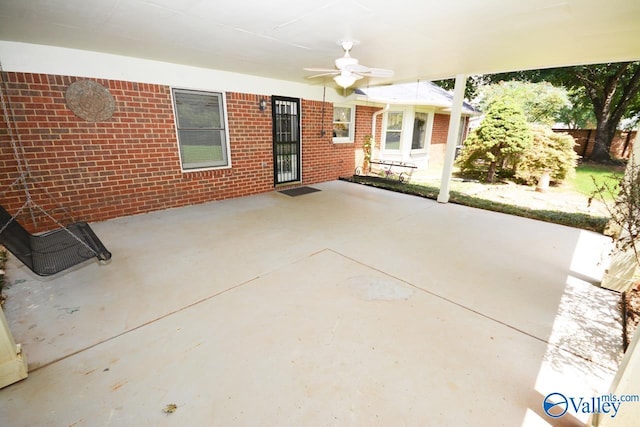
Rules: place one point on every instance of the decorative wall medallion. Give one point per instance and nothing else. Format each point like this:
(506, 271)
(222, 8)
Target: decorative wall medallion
(90, 100)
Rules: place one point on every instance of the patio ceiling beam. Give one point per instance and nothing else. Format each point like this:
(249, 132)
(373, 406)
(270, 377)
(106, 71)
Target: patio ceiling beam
(452, 137)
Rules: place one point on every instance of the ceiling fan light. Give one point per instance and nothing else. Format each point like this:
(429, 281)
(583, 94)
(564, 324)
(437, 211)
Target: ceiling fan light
(344, 81)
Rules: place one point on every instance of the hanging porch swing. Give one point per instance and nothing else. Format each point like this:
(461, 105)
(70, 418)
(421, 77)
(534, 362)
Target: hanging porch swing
(51, 252)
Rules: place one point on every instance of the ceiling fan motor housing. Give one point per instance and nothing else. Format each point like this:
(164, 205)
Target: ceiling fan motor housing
(348, 70)
(345, 61)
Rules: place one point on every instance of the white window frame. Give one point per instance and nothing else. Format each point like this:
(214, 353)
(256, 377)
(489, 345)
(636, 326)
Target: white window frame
(425, 137)
(464, 122)
(429, 130)
(226, 147)
(385, 130)
(351, 124)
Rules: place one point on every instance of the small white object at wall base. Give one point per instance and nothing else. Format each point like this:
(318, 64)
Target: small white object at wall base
(621, 274)
(13, 364)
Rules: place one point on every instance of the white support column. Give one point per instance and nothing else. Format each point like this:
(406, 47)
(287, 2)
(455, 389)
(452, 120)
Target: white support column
(624, 383)
(13, 365)
(628, 375)
(621, 274)
(452, 137)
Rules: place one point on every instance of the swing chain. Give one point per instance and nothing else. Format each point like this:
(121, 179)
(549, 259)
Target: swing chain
(23, 167)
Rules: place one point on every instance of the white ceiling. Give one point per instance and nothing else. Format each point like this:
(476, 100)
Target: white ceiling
(419, 39)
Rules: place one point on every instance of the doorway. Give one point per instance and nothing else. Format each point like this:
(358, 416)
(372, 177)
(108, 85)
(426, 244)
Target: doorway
(286, 139)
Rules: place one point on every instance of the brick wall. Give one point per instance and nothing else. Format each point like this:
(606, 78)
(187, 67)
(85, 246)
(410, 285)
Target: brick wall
(621, 146)
(364, 119)
(439, 138)
(129, 164)
(321, 158)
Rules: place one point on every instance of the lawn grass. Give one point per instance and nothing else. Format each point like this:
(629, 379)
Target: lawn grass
(586, 173)
(578, 220)
(201, 153)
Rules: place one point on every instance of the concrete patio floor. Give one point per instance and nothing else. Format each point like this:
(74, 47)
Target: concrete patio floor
(348, 306)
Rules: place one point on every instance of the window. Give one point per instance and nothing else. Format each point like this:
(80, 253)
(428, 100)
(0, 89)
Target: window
(461, 131)
(419, 131)
(393, 131)
(202, 131)
(343, 124)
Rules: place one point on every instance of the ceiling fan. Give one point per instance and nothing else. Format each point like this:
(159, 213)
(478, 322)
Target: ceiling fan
(348, 70)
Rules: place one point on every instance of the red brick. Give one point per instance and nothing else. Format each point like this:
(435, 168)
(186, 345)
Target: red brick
(129, 163)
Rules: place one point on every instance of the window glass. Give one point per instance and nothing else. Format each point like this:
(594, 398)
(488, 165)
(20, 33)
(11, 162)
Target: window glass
(343, 124)
(202, 136)
(419, 131)
(393, 132)
(394, 121)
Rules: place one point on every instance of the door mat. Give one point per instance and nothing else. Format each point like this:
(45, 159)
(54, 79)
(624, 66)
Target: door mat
(299, 191)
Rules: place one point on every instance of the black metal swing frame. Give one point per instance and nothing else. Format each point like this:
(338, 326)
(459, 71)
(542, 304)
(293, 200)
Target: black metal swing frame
(48, 253)
(54, 251)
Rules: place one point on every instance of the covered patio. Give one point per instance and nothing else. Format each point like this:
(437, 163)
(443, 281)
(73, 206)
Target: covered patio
(347, 306)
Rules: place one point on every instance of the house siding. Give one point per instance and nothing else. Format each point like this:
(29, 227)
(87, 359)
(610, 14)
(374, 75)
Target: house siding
(129, 164)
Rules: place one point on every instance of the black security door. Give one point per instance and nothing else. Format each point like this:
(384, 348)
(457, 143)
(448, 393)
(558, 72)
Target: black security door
(286, 139)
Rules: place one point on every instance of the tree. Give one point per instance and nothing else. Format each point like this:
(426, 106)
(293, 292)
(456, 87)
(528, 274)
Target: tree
(495, 144)
(578, 114)
(612, 89)
(473, 84)
(631, 120)
(550, 152)
(540, 102)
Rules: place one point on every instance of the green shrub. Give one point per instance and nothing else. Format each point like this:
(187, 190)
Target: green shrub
(623, 203)
(551, 152)
(497, 143)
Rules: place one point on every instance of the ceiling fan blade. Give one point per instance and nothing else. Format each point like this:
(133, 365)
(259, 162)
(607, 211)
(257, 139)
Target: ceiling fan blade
(356, 68)
(332, 73)
(322, 70)
(376, 72)
(348, 67)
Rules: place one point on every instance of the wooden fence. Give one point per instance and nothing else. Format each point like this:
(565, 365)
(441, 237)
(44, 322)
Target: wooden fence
(621, 146)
